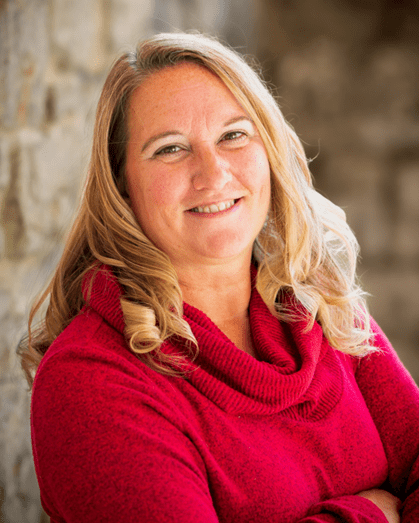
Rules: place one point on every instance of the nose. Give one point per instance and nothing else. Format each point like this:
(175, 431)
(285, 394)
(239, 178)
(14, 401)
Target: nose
(211, 171)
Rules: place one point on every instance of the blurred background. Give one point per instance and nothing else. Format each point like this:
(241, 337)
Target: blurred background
(346, 74)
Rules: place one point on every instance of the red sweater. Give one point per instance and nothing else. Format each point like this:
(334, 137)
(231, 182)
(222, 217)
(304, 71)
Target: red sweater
(291, 438)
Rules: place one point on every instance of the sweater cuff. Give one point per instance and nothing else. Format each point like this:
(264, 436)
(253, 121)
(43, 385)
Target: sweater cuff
(349, 509)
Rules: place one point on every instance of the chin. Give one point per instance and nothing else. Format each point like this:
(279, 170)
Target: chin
(227, 252)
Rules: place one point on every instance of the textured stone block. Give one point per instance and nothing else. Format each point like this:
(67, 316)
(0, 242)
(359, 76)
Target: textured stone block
(394, 75)
(51, 167)
(169, 16)
(353, 182)
(4, 161)
(394, 300)
(21, 503)
(315, 78)
(408, 191)
(24, 52)
(78, 34)
(129, 22)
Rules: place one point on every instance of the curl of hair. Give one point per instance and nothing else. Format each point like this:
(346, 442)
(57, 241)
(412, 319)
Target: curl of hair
(305, 248)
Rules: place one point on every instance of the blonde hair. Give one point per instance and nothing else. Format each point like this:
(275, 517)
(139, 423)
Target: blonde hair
(305, 249)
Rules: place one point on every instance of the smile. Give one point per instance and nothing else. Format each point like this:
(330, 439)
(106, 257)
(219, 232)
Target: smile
(215, 207)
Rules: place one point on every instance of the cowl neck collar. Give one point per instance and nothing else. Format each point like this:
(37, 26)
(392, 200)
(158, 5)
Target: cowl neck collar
(299, 373)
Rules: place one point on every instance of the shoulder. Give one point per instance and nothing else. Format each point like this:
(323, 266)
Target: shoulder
(90, 369)
(382, 376)
(385, 355)
(88, 335)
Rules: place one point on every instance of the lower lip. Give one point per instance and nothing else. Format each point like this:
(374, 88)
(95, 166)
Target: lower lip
(215, 214)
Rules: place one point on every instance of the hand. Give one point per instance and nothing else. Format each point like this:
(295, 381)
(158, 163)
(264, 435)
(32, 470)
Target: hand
(385, 501)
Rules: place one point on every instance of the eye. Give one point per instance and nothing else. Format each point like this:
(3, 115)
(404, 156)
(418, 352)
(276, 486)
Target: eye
(168, 150)
(234, 136)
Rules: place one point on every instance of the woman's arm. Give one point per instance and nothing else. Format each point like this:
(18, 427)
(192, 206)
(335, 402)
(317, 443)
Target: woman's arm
(393, 400)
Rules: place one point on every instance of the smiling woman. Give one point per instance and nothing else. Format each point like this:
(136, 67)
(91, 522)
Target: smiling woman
(207, 354)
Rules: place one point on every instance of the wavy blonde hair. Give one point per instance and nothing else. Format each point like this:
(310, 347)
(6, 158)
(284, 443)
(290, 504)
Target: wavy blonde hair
(305, 249)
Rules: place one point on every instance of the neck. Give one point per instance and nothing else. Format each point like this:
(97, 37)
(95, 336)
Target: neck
(221, 291)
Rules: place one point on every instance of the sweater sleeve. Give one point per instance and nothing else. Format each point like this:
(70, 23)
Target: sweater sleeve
(345, 509)
(105, 448)
(393, 400)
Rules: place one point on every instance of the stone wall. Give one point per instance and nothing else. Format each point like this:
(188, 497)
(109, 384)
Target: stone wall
(347, 77)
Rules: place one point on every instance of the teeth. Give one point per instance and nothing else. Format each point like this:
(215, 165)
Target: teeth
(214, 207)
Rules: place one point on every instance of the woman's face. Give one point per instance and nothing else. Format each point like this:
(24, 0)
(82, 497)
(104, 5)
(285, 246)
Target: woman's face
(197, 171)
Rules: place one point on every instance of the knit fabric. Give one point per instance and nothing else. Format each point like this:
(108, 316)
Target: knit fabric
(290, 438)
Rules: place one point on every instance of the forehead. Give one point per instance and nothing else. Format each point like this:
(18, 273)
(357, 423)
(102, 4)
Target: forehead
(173, 91)
(186, 74)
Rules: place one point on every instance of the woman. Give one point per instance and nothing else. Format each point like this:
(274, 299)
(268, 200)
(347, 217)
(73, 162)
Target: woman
(206, 353)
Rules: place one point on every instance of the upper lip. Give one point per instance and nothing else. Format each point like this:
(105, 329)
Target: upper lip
(213, 202)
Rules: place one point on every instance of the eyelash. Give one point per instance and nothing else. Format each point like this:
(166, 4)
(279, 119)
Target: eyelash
(166, 149)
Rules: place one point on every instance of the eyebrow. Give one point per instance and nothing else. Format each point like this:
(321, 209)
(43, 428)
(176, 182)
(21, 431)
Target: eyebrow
(156, 137)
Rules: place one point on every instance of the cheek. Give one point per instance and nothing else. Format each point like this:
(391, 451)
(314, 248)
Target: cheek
(163, 191)
(259, 173)
(266, 191)
(150, 191)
